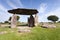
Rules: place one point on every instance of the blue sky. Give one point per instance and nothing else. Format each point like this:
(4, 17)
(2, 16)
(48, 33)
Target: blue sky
(45, 8)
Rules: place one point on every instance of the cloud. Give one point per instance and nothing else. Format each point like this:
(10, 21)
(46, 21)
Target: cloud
(54, 12)
(42, 8)
(13, 5)
(4, 15)
(43, 18)
(20, 3)
(3, 8)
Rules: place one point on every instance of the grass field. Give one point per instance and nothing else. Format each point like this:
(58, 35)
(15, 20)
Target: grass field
(37, 33)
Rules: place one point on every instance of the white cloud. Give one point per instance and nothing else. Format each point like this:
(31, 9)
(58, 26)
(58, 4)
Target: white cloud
(13, 5)
(19, 2)
(54, 12)
(43, 17)
(3, 8)
(4, 15)
(42, 8)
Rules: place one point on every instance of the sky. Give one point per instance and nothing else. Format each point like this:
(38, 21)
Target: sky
(44, 7)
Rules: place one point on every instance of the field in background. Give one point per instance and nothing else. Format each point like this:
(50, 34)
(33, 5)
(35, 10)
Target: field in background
(37, 33)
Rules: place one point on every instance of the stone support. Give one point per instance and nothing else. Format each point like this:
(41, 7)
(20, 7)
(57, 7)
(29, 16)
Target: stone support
(36, 20)
(31, 21)
(14, 21)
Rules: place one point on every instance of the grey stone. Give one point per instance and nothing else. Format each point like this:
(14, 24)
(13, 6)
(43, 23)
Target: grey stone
(14, 21)
(48, 26)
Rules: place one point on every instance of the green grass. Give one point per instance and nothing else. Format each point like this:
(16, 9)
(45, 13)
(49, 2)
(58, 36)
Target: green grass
(37, 33)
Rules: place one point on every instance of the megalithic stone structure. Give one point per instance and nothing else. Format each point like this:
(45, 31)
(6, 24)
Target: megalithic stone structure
(22, 11)
(36, 20)
(14, 21)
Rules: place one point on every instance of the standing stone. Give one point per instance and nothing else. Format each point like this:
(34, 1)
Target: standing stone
(31, 21)
(14, 21)
(36, 20)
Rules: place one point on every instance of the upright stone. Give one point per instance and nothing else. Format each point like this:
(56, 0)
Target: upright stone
(31, 21)
(14, 21)
(36, 20)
